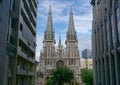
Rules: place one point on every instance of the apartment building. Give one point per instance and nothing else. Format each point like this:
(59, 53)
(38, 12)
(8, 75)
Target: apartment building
(106, 42)
(20, 39)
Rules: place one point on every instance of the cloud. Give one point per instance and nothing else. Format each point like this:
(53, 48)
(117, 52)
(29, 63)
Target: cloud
(60, 15)
(39, 41)
(84, 40)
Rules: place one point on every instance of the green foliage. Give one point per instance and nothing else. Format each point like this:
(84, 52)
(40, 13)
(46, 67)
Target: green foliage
(49, 82)
(87, 76)
(62, 75)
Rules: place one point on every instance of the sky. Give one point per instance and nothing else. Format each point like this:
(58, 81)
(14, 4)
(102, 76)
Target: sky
(82, 13)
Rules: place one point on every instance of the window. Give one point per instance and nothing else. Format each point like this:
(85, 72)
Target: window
(13, 6)
(105, 33)
(21, 27)
(112, 27)
(118, 22)
(13, 23)
(108, 35)
(95, 43)
(0, 20)
(110, 3)
(0, 1)
(71, 61)
(12, 40)
(105, 11)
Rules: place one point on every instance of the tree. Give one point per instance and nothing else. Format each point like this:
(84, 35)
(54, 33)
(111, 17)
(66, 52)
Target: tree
(62, 75)
(49, 82)
(87, 76)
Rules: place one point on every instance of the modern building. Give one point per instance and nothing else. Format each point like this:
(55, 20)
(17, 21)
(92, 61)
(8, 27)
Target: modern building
(52, 57)
(87, 53)
(18, 41)
(106, 42)
(4, 16)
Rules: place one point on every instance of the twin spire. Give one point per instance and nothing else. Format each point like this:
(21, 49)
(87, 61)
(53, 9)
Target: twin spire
(49, 28)
(50, 25)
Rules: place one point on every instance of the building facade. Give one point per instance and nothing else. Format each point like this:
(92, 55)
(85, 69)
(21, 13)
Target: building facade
(106, 42)
(52, 57)
(19, 20)
(86, 63)
(4, 16)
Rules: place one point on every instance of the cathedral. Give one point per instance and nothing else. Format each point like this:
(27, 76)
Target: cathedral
(58, 56)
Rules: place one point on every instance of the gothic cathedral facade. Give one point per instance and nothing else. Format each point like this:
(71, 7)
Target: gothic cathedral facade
(52, 57)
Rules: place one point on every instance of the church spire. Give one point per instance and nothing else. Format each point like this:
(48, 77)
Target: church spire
(59, 44)
(71, 33)
(71, 22)
(49, 32)
(49, 21)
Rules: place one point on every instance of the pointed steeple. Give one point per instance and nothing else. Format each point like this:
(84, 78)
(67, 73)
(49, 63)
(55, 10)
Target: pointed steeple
(59, 44)
(71, 33)
(71, 22)
(49, 32)
(49, 27)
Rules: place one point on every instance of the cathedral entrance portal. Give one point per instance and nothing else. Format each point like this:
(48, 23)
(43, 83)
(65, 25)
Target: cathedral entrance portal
(60, 63)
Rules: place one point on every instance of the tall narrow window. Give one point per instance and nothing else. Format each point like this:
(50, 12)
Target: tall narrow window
(21, 27)
(113, 30)
(13, 6)
(110, 3)
(118, 22)
(0, 1)
(105, 34)
(108, 35)
(13, 23)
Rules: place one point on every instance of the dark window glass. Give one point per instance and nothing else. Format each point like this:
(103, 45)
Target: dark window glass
(108, 35)
(12, 40)
(110, 3)
(0, 1)
(105, 34)
(13, 6)
(113, 30)
(13, 23)
(0, 20)
(21, 27)
(118, 22)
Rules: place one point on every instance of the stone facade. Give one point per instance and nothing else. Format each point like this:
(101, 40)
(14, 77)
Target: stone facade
(86, 63)
(52, 57)
(106, 42)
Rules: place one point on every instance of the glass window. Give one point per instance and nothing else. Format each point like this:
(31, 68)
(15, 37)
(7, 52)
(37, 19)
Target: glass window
(118, 22)
(0, 1)
(13, 23)
(108, 36)
(110, 3)
(102, 38)
(21, 27)
(95, 43)
(112, 28)
(12, 40)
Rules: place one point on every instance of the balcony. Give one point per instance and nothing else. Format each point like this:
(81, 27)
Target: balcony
(21, 71)
(23, 55)
(27, 20)
(31, 73)
(25, 42)
(29, 10)
(24, 72)
(33, 6)
(35, 3)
